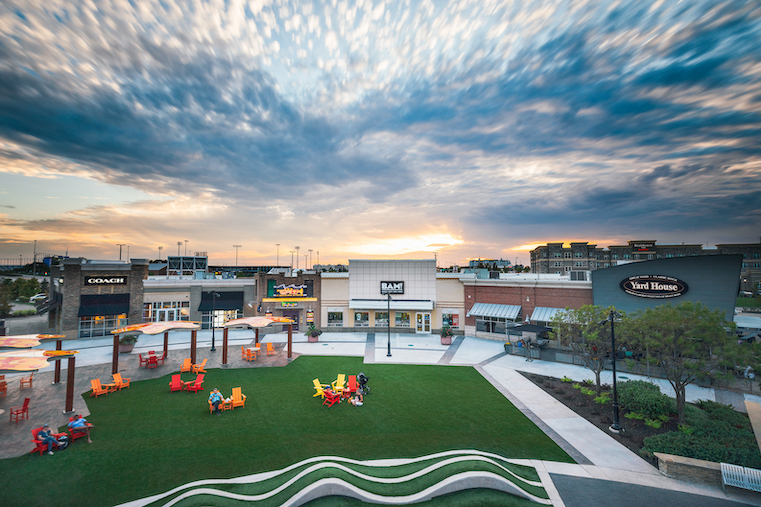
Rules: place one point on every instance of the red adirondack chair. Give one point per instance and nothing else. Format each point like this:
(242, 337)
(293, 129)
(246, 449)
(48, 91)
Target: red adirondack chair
(331, 398)
(77, 432)
(20, 411)
(352, 386)
(176, 383)
(195, 385)
(38, 445)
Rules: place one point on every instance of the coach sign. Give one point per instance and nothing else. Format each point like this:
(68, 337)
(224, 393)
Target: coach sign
(392, 288)
(106, 280)
(654, 286)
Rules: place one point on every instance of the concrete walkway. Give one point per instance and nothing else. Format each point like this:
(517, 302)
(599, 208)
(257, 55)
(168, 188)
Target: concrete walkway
(600, 459)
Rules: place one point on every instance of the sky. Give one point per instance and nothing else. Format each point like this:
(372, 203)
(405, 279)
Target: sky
(373, 129)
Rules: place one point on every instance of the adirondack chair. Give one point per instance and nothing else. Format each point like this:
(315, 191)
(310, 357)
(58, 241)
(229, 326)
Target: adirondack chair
(195, 385)
(186, 366)
(331, 398)
(239, 399)
(120, 382)
(353, 384)
(3, 387)
(78, 432)
(320, 388)
(20, 411)
(199, 368)
(338, 384)
(176, 383)
(98, 389)
(270, 348)
(38, 445)
(27, 381)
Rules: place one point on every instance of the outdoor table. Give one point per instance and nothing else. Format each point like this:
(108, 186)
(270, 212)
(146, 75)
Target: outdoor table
(227, 404)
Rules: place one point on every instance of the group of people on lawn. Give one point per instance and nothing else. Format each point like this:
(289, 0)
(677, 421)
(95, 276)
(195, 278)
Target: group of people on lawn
(79, 423)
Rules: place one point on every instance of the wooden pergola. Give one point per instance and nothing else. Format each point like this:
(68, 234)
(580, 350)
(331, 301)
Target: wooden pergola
(256, 323)
(154, 328)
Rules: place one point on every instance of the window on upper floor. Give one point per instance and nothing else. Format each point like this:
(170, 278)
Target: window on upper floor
(567, 255)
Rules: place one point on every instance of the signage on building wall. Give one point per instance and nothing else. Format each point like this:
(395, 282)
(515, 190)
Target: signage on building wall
(643, 246)
(290, 291)
(392, 288)
(654, 286)
(106, 280)
(310, 316)
(288, 305)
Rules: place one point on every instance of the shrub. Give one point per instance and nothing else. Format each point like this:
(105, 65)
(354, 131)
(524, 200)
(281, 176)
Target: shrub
(128, 339)
(634, 415)
(587, 382)
(603, 398)
(576, 386)
(566, 379)
(588, 392)
(653, 423)
(645, 398)
(23, 313)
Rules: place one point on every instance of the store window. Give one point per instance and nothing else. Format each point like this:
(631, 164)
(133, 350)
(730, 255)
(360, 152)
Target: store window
(101, 325)
(335, 319)
(220, 317)
(381, 319)
(450, 319)
(402, 319)
(491, 325)
(361, 319)
(166, 311)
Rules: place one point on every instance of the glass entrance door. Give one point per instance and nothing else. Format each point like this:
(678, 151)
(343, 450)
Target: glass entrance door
(166, 314)
(423, 323)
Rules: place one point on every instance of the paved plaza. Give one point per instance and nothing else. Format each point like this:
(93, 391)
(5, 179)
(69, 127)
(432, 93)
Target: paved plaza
(602, 463)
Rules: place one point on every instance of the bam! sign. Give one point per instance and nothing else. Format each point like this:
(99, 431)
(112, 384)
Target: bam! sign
(392, 288)
(654, 286)
(106, 280)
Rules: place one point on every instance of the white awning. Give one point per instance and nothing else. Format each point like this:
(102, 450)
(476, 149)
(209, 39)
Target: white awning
(544, 314)
(509, 312)
(382, 304)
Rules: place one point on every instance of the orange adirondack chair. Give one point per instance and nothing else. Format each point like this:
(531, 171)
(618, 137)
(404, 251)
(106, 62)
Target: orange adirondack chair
(270, 349)
(120, 382)
(20, 411)
(186, 366)
(27, 381)
(199, 368)
(176, 383)
(239, 399)
(195, 385)
(98, 389)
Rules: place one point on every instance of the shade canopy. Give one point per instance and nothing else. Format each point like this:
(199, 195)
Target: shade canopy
(508, 312)
(257, 322)
(103, 304)
(25, 341)
(223, 301)
(157, 327)
(29, 360)
(544, 314)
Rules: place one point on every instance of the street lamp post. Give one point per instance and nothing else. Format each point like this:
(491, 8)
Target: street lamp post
(214, 296)
(615, 427)
(236, 254)
(388, 325)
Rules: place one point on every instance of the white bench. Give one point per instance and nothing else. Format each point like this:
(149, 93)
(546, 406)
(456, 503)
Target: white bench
(740, 477)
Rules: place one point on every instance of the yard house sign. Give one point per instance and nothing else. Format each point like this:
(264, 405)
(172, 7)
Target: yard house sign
(654, 286)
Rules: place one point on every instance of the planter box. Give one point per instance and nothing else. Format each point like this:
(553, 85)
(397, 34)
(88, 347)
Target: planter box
(126, 349)
(446, 340)
(313, 339)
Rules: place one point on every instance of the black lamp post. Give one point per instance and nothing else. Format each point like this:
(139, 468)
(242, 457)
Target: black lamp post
(388, 325)
(214, 296)
(615, 427)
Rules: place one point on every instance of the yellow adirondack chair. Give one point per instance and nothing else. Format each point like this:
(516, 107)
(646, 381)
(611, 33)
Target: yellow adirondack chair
(320, 388)
(120, 382)
(186, 366)
(338, 384)
(199, 368)
(239, 399)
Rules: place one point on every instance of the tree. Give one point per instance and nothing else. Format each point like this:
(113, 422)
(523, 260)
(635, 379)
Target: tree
(588, 336)
(5, 299)
(685, 340)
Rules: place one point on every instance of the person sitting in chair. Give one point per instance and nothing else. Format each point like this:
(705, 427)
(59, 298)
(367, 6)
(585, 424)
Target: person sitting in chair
(216, 398)
(46, 435)
(80, 424)
(358, 400)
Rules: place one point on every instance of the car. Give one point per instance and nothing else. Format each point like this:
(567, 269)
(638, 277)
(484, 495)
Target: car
(38, 298)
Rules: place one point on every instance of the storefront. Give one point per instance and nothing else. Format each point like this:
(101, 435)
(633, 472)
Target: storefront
(293, 297)
(411, 293)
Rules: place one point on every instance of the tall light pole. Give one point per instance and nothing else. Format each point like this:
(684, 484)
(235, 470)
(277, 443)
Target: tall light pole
(388, 325)
(186, 247)
(297, 257)
(214, 296)
(179, 244)
(120, 245)
(236, 254)
(292, 259)
(310, 258)
(277, 262)
(318, 257)
(160, 249)
(34, 261)
(306, 256)
(615, 427)
(127, 252)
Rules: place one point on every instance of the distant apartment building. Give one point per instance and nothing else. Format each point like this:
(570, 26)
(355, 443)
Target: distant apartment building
(579, 257)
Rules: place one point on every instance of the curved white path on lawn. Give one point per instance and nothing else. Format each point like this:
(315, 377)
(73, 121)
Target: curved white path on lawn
(335, 486)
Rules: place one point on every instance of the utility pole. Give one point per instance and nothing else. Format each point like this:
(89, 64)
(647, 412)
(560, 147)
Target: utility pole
(120, 245)
(236, 254)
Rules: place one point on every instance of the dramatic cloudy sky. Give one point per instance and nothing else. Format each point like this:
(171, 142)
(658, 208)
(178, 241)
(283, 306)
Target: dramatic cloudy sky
(370, 129)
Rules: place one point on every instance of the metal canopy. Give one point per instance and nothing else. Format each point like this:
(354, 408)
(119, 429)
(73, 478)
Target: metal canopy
(508, 312)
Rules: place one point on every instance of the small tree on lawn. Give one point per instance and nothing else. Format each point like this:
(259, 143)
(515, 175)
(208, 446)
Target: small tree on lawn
(686, 341)
(581, 329)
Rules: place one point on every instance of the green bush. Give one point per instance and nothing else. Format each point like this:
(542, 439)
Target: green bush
(653, 423)
(645, 398)
(588, 392)
(716, 433)
(603, 398)
(566, 379)
(23, 313)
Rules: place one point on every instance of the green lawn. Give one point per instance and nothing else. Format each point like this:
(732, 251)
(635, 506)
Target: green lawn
(149, 440)
(748, 302)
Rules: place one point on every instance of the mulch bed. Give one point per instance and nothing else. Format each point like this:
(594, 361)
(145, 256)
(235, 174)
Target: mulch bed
(635, 431)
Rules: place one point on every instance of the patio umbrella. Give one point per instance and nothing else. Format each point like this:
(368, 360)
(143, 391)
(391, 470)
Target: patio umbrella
(256, 323)
(154, 328)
